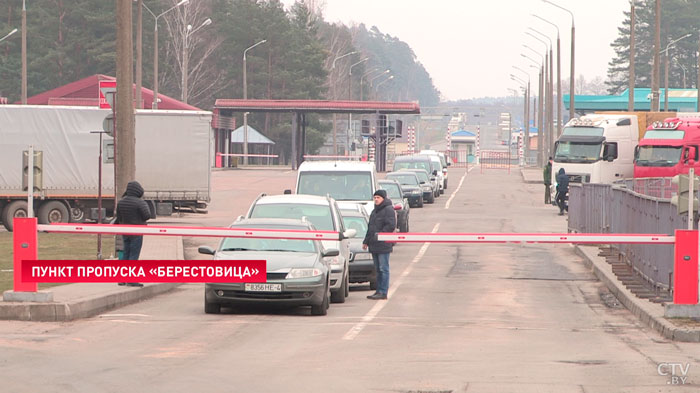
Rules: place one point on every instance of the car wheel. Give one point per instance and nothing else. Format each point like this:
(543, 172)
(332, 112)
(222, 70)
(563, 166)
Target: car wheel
(211, 308)
(442, 191)
(403, 227)
(432, 199)
(420, 202)
(373, 285)
(347, 285)
(339, 295)
(321, 309)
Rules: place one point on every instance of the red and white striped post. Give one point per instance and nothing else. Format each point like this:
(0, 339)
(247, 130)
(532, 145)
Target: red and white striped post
(448, 140)
(478, 139)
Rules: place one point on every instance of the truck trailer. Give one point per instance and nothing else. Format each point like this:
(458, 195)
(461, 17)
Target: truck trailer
(173, 156)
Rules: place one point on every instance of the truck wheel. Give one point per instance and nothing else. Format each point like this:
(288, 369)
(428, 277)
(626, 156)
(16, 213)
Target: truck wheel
(52, 212)
(14, 209)
(77, 215)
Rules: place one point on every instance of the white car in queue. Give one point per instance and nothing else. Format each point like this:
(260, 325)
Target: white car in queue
(298, 271)
(324, 214)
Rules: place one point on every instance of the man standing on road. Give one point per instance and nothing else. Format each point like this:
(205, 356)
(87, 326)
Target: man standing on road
(562, 190)
(382, 219)
(132, 210)
(548, 182)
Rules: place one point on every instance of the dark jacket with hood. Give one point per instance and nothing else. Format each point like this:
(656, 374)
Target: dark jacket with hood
(131, 209)
(562, 181)
(382, 219)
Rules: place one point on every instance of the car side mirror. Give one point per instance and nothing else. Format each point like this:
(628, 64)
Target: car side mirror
(422, 182)
(432, 179)
(206, 250)
(349, 233)
(331, 252)
(435, 172)
(287, 192)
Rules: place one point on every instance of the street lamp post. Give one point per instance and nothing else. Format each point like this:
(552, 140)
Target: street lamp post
(8, 35)
(549, 109)
(526, 109)
(24, 53)
(335, 97)
(539, 104)
(559, 97)
(350, 130)
(362, 89)
(245, 97)
(376, 88)
(572, 94)
(155, 47)
(666, 69)
(185, 56)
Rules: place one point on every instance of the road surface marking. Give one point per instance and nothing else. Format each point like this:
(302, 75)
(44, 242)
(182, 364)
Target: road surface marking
(447, 205)
(372, 313)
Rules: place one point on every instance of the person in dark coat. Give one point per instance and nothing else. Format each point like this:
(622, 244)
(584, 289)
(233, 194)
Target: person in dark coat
(562, 191)
(133, 210)
(547, 174)
(382, 219)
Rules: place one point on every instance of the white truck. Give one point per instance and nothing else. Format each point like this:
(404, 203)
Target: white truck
(173, 161)
(597, 149)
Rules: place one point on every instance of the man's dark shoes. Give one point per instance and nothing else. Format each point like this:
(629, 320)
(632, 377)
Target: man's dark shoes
(377, 296)
(134, 284)
(121, 284)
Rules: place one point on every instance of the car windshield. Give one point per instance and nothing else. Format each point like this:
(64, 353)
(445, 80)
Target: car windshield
(342, 186)
(392, 190)
(577, 152)
(248, 244)
(658, 155)
(398, 165)
(359, 224)
(319, 215)
(408, 178)
(422, 176)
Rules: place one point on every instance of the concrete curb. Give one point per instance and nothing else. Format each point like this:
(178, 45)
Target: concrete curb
(649, 313)
(81, 307)
(529, 177)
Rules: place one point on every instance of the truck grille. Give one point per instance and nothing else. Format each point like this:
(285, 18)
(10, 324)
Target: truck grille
(579, 178)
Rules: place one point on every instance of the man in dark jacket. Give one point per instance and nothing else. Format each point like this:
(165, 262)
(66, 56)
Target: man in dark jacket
(132, 210)
(382, 219)
(562, 190)
(547, 174)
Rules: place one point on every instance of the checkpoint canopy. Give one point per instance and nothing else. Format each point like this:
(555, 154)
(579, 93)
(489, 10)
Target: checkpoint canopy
(226, 108)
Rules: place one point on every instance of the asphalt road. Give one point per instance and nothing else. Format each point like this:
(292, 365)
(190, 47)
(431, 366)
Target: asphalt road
(460, 318)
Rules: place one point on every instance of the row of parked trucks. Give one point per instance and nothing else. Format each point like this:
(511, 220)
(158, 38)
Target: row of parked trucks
(611, 146)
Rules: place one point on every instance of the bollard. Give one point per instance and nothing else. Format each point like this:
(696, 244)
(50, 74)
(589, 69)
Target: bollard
(217, 162)
(24, 239)
(685, 276)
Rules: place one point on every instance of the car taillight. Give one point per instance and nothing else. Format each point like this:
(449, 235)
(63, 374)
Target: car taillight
(398, 206)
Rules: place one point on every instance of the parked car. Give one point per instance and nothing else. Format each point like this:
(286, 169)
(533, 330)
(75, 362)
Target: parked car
(395, 193)
(361, 264)
(298, 271)
(443, 160)
(429, 184)
(324, 214)
(410, 184)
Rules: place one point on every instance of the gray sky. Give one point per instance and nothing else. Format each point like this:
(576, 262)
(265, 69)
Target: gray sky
(470, 46)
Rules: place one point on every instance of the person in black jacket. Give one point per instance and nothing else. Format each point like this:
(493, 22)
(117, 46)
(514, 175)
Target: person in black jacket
(132, 210)
(382, 219)
(562, 191)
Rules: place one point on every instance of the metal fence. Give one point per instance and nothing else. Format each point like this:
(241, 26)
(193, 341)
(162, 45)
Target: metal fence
(605, 208)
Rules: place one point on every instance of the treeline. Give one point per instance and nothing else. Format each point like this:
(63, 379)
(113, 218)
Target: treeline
(678, 18)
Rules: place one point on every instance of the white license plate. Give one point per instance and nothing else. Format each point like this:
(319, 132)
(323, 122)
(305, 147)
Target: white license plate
(255, 287)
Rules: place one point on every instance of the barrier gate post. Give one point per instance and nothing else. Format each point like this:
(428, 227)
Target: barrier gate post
(685, 272)
(24, 240)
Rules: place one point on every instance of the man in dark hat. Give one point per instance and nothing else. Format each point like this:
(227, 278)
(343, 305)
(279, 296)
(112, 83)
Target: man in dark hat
(133, 210)
(547, 173)
(382, 219)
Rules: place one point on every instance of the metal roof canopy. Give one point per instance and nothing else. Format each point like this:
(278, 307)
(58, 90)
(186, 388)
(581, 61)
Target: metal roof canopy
(318, 106)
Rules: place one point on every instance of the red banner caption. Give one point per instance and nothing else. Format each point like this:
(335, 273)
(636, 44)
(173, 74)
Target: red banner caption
(65, 271)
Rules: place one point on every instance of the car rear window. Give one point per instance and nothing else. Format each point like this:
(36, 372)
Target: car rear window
(341, 186)
(398, 165)
(410, 179)
(248, 244)
(319, 215)
(392, 190)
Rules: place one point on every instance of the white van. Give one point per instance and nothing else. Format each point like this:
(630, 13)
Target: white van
(346, 182)
(443, 161)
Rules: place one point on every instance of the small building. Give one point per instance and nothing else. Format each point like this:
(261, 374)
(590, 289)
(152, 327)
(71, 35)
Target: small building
(258, 144)
(462, 147)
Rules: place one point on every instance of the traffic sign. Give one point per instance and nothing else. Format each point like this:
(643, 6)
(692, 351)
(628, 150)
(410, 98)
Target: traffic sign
(107, 91)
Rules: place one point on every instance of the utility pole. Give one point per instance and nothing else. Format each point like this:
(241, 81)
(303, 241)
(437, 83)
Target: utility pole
(657, 50)
(698, 84)
(630, 89)
(139, 52)
(125, 140)
(24, 53)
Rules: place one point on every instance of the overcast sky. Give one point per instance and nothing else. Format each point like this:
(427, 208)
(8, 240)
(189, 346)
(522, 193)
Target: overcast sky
(470, 46)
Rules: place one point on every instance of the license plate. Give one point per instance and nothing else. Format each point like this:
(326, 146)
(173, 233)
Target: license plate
(255, 287)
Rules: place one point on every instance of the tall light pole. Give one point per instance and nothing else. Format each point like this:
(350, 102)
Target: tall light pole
(540, 104)
(245, 97)
(630, 88)
(350, 130)
(376, 88)
(548, 118)
(335, 97)
(155, 47)
(559, 98)
(8, 35)
(362, 79)
(526, 117)
(185, 57)
(138, 74)
(550, 93)
(657, 51)
(24, 53)
(572, 110)
(666, 69)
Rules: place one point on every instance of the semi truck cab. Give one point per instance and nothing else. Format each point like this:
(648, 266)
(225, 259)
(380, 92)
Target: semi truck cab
(597, 148)
(668, 148)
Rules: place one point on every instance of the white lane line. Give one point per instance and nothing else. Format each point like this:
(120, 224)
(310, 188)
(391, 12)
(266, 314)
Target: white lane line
(447, 205)
(355, 330)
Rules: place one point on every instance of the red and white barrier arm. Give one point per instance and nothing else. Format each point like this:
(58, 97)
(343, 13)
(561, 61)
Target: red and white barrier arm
(188, 231)
(327, 156)
(571, 238)
(247, 155)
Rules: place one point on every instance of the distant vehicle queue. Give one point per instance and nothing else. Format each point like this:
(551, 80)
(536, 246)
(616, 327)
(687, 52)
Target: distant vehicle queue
(330, 195)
